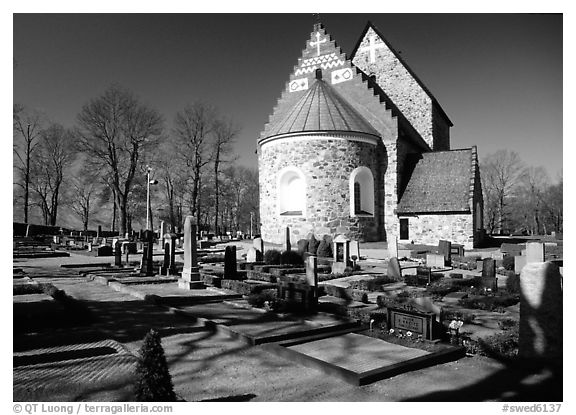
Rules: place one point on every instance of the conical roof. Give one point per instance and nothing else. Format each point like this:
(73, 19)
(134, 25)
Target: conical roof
(321, 109)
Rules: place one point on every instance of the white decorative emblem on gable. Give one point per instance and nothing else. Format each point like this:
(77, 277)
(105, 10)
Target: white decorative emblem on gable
(298, 85)
(374, 43)
(342, 75)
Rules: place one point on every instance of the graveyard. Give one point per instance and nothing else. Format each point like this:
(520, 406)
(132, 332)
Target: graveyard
(308, 320)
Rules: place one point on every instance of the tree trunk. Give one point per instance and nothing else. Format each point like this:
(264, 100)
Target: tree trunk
(216, 186)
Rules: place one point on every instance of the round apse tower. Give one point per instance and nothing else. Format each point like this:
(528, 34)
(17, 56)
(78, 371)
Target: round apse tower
(319, 170)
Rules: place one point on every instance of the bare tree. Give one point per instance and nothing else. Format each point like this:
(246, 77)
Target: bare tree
(115, 131)
(27, 125)
(501, 173)
(83, 189)
(54, 155)
(532, 186)
(193, 128)
(225, 133)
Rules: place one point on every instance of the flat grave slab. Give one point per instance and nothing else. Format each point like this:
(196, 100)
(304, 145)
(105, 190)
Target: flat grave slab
(257, 327)
(360, 359)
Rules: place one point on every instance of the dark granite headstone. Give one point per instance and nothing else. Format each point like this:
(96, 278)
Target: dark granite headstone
(445, 248)
(489, 268)
(146, 265)
(104, 250)
(302, 246)
(118, 254)
(230, 262)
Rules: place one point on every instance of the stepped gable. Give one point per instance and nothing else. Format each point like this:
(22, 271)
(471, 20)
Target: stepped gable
(374, 55)
(337, 73)
(440, 181)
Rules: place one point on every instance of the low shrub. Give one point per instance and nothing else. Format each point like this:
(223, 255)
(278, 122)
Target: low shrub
(259, 299)
(359, 295)
(501, 345)
(508, 324)
(211, 259)
(371, 285)
(490, 303)
(302, 246)
(272, 257)
(508, 263)
(24, 289)
(291, 258)
(324, 249)
(513, 284)
(313, 245)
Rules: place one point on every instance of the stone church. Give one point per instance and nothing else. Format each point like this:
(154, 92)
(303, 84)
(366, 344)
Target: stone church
(359, 146)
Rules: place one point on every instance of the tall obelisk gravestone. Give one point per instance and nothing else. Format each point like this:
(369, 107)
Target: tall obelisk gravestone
(190, 275)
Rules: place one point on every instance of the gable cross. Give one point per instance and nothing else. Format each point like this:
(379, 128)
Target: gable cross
(372, 47)
(317, 43)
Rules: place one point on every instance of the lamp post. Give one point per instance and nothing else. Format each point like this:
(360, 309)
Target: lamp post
(148, 208)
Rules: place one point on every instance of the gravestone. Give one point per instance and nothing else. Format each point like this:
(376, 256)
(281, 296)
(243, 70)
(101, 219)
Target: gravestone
(230, 262)
(418, 322)
(355, 249)
(89, 246)
(535, 252)
(161, 236)
(146, 264)
(288, 245)
(445, 249)
(169, 266)
(302, 245)
(312, 271)
(394, 271)
(540, 331)
(435, 260)
(104, 250)
(519, 263)
(258, 243)
(118, 253)
(254, 255)
(488, 280)
(190, 275)
(393, 247)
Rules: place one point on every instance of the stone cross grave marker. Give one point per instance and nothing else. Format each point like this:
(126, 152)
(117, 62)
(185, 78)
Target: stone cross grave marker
(535, 252)
(190, 274)
(393, 247)
(540, 331)
(230, 262)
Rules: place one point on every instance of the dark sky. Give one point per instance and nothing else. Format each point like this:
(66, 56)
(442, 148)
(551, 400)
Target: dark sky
(497, 76)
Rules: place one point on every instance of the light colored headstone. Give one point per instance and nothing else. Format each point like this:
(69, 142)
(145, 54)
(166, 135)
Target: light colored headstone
(534, 252)
(519, 263)
(258, 243)
(435, 260)
(312, 271)
(190, 275)
(162, 233)
(355, 249)
(341, 241)
(89, 246)
(252, 255)
(393, 247)
(540, 333)
(394, 270)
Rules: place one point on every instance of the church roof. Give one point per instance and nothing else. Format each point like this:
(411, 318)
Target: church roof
(320, 109)
(438, 182)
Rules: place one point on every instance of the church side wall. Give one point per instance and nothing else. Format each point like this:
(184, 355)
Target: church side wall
(429, 229)
(441, 130)
(326, 165)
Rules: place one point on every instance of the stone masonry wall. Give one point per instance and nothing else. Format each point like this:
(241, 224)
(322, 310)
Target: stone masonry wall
(326, 163)
(397, 83)
(429, 229)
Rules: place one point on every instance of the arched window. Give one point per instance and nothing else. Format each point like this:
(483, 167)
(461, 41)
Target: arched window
(361, 192)
(291, 192)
